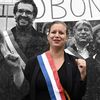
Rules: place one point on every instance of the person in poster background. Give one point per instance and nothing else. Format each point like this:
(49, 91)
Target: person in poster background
(8, 89)
(23, 42)
(25, 12)
(93, 92)
(82, 47)
(96, 58)
(81, 42)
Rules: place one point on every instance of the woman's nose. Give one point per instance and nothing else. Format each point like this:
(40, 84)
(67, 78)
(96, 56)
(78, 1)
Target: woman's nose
(57, 34)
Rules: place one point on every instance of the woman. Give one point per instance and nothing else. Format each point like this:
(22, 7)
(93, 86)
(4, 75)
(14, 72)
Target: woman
(54, 75)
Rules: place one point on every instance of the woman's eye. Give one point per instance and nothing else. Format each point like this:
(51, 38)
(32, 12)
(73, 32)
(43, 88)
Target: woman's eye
(61, 33)
(53, 32)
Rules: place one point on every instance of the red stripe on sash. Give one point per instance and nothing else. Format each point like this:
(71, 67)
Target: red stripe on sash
(61, 91)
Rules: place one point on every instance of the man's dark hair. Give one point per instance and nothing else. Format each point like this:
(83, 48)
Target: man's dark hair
(35, 10)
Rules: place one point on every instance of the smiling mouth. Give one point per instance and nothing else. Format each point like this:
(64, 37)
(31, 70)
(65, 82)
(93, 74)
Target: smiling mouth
(83, 37)
(56, 40)
(23, 21)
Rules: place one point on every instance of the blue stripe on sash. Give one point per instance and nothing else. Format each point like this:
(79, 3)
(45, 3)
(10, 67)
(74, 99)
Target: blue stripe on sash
(49, 85)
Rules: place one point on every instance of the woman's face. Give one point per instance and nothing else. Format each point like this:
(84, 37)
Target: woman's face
(57, 36)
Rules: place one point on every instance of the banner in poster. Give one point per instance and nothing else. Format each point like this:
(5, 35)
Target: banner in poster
(68, 10)
(64, 10)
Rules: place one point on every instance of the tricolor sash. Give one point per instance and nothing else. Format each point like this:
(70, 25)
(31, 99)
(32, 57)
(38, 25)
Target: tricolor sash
(14, 48)
(51, 76)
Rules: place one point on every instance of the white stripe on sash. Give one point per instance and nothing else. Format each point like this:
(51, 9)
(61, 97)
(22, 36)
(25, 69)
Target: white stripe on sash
(50, 73)
(11, 47)
(51, 76)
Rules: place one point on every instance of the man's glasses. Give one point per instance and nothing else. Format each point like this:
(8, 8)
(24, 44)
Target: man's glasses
(27, 12)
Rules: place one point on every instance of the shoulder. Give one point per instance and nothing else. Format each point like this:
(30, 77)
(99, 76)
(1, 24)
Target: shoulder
(71, 57)
(13, 29)
(71, 60)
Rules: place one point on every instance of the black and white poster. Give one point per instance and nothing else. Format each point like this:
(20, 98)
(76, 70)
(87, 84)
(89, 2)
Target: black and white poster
(70, 12)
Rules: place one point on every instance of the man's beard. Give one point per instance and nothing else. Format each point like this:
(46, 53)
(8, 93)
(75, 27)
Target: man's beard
(26, 19)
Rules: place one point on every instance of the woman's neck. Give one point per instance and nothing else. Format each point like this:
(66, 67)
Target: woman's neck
(57, 53)
(58, 57)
